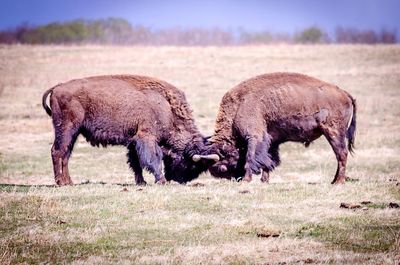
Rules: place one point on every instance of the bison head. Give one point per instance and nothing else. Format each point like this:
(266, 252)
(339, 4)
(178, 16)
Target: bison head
(230, 165)
(233, 157)
(185, 165)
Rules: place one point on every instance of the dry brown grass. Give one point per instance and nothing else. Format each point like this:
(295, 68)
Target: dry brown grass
(215, 222)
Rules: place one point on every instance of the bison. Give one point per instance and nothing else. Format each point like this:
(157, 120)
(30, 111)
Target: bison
(150, 117)
(261, 113)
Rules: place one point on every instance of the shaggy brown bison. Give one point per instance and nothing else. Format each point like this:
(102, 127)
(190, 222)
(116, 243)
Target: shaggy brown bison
(148, 116)
(261, 113)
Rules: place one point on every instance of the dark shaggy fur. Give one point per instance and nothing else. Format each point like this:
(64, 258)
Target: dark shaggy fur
(261, 113)
(148, 116)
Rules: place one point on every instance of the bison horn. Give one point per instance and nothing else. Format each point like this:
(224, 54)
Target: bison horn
(197, 158)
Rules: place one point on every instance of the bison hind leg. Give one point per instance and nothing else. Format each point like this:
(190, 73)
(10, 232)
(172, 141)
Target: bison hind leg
(67, 123)
(337, 140)
(65, 138)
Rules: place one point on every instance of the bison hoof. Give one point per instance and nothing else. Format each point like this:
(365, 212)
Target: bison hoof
(247, 178)
(141, 183)
(339, 181)
(64, 183)
(265, 180)
(161, 181)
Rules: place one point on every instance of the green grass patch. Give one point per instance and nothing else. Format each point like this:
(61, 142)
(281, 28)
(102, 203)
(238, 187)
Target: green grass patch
(25, 165)
(19, 244)
(31, 252)
(16, 188)
(355, 233)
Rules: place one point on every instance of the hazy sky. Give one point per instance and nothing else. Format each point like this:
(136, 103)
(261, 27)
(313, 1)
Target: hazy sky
(256, 15)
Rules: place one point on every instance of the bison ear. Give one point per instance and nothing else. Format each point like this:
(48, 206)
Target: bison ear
(214, 157)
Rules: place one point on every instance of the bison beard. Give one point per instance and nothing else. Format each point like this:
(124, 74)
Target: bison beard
(261, 113)
(148, 116)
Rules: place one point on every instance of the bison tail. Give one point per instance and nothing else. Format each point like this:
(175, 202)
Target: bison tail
(44, 99)
(351, 130)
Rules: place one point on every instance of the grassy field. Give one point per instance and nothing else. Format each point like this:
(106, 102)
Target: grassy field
(296, 219)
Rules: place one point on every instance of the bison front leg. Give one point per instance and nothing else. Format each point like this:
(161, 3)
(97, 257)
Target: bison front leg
(250, 165)
(265, 176)
(258, 157)
(134, 163)
(150, 156)
(273, 161)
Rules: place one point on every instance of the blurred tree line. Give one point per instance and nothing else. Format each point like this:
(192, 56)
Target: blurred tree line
(120, 31)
